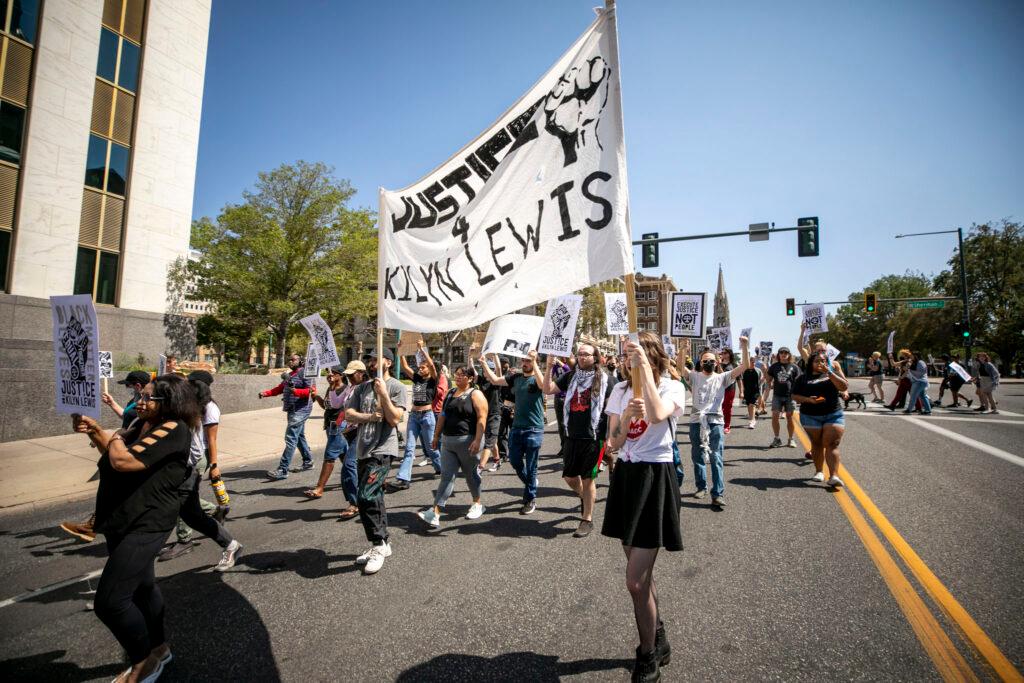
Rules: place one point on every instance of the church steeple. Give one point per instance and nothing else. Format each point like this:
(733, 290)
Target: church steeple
(721, 302)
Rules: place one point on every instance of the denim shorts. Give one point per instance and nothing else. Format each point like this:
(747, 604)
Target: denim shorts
(782, 403)
(819, 421)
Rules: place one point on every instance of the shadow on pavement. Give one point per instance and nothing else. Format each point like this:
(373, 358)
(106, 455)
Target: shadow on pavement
(44, 666)
(511, 667)
(309, 563)
(765, 483)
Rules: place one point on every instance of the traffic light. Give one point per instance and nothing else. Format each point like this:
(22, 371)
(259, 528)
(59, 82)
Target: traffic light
(966, 333)
(807, 236)
(649, 252)
(962, 330)
(870, 302)
(790, 306)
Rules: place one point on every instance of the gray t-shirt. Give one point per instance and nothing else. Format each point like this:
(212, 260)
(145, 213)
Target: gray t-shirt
(377, 438)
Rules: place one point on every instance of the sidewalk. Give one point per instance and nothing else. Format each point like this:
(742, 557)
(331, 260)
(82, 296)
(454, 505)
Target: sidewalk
(58, 468)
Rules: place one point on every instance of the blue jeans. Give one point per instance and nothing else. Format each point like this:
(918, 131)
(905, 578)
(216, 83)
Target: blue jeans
(919, 390)
(295, 435)
(421, 425)
(716, 439)
(678, 462)
(350, 474)
(523, 452)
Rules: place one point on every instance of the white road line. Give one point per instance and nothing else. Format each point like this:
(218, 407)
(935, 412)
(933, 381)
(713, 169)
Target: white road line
(49, 589)
(983, 447)
(1017, 423)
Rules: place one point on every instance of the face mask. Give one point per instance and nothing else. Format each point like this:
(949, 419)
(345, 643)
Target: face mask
(707, 365)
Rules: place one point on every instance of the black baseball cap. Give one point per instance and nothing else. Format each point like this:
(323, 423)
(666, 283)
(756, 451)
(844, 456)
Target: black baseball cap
(387, 354)
(135, 377)
(202, 376)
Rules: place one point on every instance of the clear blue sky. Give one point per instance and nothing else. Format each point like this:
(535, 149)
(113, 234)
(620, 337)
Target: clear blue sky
(878, 117)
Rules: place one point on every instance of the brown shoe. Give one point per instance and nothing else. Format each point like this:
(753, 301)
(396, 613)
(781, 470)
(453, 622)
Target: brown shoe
(349, 512)
(81, 530)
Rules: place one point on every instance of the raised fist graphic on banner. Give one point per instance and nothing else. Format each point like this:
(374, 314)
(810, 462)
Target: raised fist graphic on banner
(573, 107)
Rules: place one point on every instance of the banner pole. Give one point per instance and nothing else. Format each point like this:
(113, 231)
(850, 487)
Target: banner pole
(634, 372)
(104, 379)
(380, 283)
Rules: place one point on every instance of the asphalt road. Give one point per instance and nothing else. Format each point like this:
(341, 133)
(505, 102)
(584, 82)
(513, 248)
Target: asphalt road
(778, 585)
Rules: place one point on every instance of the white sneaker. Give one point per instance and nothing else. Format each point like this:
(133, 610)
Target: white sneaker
(229, 556)
(365, 557)
(984, 412)
(792, 443)
(818, 476)
(475, 511)
(753, 423)
(430, 517)
(423, 463)
(376, 558)
(835, 482)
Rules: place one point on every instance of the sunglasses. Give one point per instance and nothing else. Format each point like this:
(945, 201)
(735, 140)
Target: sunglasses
(146, 398)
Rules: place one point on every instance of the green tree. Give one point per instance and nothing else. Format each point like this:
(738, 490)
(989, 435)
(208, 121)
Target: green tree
(290, 249)
(994, 253)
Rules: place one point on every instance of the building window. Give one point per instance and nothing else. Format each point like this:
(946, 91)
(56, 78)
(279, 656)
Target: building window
(118, 60)
(5, 250)
(96, 274)
(12, 124)
(106, 166)
(24, 19)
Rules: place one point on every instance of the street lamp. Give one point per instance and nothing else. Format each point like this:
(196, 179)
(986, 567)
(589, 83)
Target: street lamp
(966, 317)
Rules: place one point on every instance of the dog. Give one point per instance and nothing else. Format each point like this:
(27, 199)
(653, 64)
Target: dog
(855, 397)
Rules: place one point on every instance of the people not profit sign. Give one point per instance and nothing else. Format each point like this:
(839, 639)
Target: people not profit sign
(538, 199)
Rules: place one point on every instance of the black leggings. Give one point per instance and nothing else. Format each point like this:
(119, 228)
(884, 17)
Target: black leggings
(192, 513)
(128, 600)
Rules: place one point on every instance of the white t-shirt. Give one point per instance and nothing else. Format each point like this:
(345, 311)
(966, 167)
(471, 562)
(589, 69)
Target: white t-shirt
(708, 392)
(211, 416)
(649, 442)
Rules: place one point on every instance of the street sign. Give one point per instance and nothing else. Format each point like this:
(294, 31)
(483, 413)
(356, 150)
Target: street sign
(759, 232)
(927, 304)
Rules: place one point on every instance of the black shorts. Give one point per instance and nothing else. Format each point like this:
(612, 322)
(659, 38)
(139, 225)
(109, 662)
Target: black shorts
(579, 458)
(491, 428)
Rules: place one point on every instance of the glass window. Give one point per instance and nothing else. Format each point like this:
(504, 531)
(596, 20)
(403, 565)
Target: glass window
(128, 77)
(84, 270)
(106, 284)
(25, 19)
(106, 66)
(5, 251)
(96, 162)
(12, 121)
(117, 179)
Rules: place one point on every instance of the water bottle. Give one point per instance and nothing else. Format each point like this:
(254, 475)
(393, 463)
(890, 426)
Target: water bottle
(220, 491)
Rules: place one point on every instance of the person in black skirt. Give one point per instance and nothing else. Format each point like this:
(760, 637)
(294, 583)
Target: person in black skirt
(142, 470)
(642, 509)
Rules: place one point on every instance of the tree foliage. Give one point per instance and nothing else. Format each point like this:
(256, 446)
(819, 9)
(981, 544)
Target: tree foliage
(290, 249)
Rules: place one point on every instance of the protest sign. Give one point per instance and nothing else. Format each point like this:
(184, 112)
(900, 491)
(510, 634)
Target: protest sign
(513, 334)
(724, 337)
(407, 343)
(958, 369)
(542, 192)
(312, 367)
(478, 343)
(832, 353)
(766, 349)
(687, 314)
(106, 365)
(616, 314)
(320, 334)
(814, 316)
(76, 352)
(745, 332)
(559, 329)
(714, 340)
(421, 357)
(889, 342)
(161, 365)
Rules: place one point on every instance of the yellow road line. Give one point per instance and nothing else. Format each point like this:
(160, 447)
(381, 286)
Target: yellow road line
(948, 661)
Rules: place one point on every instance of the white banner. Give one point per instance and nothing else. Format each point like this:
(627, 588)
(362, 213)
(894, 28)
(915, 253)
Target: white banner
(513, 335)
(559, 329)
(814, 316)
(538, 198)
(687, 314)
(312, 367)
(958, 369)
(106, 365)
(321, 335)
(76, 352)
(889, 343)
(616, 313)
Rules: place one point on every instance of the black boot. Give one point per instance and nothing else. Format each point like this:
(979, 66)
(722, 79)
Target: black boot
(645, 668)
(662, 648)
